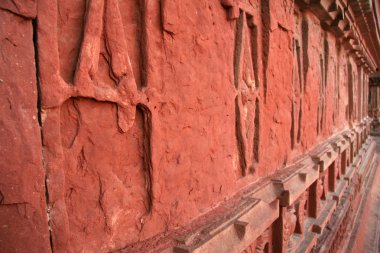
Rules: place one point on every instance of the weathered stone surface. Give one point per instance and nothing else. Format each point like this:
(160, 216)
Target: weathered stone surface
(23, 217)
(24, 8)
(160, 118)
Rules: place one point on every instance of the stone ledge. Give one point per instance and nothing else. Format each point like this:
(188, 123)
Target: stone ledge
(350, 173)
(307, 243)
(349, 135)
(267, 192)
(339, 143)
(324, 217)
(339, 218)
(358, 130)
(364, 169)
(292, 184)
(368, 141)
(303, 242)
(337, 195)
(324, 155)
(233, 234)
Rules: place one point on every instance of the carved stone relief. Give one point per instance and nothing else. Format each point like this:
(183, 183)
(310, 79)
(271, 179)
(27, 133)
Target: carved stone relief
(247, 102)
(93, 107)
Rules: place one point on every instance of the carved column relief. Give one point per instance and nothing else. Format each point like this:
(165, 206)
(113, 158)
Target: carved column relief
(302, 207)
(332, 176)
(297, 223)
(299, 75)
(290, 227)
(338, 167)
(262, 244)
(247, 103)
(323, 186)
(290, 220)
(318, 194)
(96, 122)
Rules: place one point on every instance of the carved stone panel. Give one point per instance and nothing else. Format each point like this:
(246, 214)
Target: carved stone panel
(247, 103)
(96, 127)
(302, 212)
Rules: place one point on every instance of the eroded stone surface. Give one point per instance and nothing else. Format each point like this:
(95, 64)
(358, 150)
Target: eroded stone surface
(23, 217)
(158, 116)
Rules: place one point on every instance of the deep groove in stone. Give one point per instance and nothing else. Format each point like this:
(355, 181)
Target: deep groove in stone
(238, 47)
(265, 18)
(256, 139)
(147, 148)
(336, 95)
(39, 112)
(69, 75)
(321, 93)
(320, 97)
(326, 70)
(326, 59)
(305, 47)
(142, 38)
(254, 47)
(107, 55)
(298, 52)
(292, 127)
(299, 123)
(300, 79)
(239, 138)
(34, 23)
(350, 92)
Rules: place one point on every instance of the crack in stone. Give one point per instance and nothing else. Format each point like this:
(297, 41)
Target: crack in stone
(39, 112)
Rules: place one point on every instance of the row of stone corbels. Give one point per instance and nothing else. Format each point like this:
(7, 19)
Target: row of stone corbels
(233, 233)
(334, 239)
(303, 185)
(262, 207)
(337, 17)
(307, 169)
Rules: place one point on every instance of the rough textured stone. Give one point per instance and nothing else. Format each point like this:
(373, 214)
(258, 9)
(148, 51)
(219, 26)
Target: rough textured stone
(24, 8)
(23, 217)
(159, 118)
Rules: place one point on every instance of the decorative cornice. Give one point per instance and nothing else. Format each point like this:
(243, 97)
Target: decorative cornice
(339, 18)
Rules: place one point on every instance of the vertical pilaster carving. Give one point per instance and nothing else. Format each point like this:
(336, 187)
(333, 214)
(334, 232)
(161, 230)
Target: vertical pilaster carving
(247, 103)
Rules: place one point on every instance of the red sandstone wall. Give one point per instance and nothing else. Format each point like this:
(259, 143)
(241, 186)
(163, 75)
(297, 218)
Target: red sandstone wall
(23, 218)
(153, 113)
